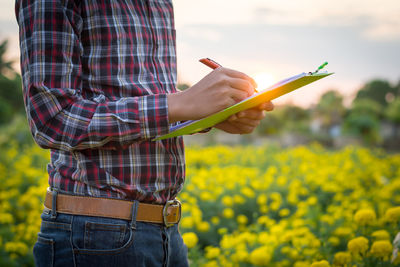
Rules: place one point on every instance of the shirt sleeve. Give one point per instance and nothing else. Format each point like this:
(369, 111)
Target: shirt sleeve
(59, 116)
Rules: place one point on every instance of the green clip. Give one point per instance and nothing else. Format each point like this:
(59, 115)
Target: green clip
(321, 67)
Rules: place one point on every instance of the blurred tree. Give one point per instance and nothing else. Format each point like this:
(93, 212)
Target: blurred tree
(5, 66)
(273, 123)
(330, 110)
(393, 111)
(393, 115)
(377, 90)
(285, 118)
(11, 98)
(397, 88)
(11, 92)
(363, 120)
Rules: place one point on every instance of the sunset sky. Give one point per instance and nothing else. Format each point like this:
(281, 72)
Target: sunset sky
(359, 39)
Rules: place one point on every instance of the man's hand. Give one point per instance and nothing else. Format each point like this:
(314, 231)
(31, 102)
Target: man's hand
(218, 90)
(244, 122)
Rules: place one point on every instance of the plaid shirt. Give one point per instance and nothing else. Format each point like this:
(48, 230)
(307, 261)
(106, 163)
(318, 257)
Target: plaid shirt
(95, 78)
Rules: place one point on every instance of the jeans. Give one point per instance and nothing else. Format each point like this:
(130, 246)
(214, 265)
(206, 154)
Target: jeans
(72, 240)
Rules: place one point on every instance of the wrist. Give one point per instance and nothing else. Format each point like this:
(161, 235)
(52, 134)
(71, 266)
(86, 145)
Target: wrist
(177, 110)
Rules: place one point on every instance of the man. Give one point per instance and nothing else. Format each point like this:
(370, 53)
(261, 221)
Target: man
(99, 84)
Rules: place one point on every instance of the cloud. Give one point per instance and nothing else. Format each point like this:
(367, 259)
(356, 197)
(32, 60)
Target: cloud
(380, 19)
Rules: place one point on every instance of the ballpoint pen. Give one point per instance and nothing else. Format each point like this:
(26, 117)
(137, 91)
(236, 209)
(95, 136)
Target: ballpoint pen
(212, 64)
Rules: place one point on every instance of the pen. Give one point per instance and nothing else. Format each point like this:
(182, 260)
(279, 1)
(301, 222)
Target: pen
(212, 64)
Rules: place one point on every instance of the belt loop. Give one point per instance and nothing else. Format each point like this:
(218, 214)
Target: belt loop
(135, 206)
(54, 203)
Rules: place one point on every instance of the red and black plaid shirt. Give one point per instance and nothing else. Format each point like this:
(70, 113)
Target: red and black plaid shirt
(95, 78)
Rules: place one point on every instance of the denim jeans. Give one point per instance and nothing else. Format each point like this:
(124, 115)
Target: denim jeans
(72, 240)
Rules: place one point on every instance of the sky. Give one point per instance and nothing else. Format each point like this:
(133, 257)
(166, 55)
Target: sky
(272, 40)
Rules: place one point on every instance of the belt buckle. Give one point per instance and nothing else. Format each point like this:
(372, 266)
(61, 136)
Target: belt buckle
(168, 204)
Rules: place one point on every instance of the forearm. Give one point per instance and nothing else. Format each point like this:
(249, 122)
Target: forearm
(78, 123)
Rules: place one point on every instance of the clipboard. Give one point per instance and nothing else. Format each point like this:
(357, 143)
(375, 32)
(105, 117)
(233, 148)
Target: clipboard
(281, 88)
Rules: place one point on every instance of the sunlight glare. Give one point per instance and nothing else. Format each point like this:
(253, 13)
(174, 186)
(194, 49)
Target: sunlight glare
(263, 80)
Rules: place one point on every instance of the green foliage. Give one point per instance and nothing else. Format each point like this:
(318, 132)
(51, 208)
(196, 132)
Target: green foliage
(330, 109)
(6, 111)
(285, 118)
(19, 131)
(363, 120)
(393, 111)
(5, 66)
(11, 92)
(11, 99)
(376, 90)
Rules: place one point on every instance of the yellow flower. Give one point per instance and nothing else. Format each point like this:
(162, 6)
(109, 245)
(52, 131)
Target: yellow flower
(241, 219)
(241, 255)
(211, 264)
(227, 201)
(312, 200)
(381, 235)
(343, 231)
(262, 199)
(301, 264)
(358, 245)
(260, 256)
(284, 212)
(322, 263)
(190, 239)
(222, 231)
(393, 214)
(203, 226)
(215, 220)
(187, 222)
(334, 240)
(247, 192)
(365, 217)
(275, 205)
(212, 252)
(16, 247)
(238, 199)
(263, 208)
(6, 218)
(381, 249)
(228, 213)
(342, 258)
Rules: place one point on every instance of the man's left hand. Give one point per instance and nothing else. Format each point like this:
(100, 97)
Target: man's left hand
(244, 122)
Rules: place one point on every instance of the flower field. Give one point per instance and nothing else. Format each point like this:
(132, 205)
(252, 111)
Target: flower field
(247, 206)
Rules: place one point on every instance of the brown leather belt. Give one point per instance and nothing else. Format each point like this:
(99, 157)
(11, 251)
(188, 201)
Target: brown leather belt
(167, 214)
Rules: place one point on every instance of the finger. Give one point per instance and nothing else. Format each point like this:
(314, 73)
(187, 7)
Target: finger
(238, 74)
(238, 95)
(232, 118)
(253, 114)
(241, 84)
(245, 121)
(228, 127)
(268, 106)
(244, 128)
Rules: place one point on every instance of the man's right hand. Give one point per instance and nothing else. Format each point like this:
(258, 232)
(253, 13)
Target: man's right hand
(218, 90)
